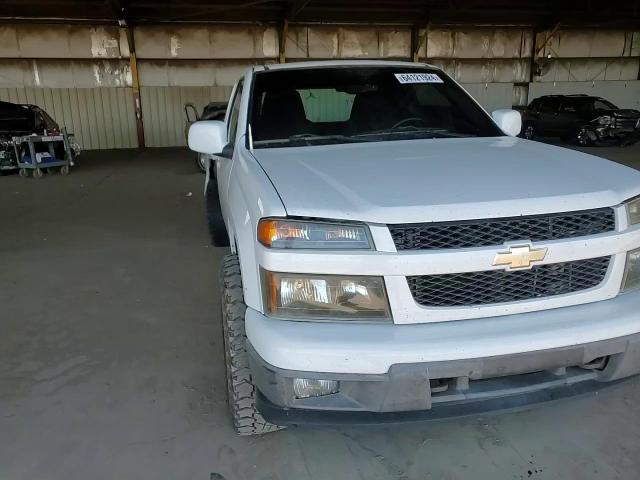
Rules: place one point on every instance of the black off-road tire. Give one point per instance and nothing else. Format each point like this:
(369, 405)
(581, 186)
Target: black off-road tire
(217, 229)
(240, 389)
(529, 131)
(581, 138)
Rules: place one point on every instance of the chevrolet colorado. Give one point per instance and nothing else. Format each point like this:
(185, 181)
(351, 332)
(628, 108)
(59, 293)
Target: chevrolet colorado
(397, 254)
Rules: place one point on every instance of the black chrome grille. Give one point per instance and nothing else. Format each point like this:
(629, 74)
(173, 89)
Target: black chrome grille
(486, 232)
(498, 286)
(626, 122)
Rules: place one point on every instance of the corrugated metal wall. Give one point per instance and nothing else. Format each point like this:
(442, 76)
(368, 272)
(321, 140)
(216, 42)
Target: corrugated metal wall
(99, 117)
(81, 74)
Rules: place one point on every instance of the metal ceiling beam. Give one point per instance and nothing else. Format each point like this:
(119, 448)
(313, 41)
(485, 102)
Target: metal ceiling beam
(616, 13)
(296, 7)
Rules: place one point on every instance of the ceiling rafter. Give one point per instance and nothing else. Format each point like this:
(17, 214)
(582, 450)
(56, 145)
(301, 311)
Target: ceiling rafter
(612, 13)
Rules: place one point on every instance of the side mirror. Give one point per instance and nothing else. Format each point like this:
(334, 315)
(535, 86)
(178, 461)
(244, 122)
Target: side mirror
(208, 136)
(509, 121)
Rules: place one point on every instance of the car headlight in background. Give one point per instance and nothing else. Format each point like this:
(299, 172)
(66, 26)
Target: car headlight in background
(325, 297)
(604, 120)
(633, 210)
(284, 233)
(632, 271)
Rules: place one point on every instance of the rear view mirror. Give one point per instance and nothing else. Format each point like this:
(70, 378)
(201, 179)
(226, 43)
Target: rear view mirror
(509, 121)
(208, 136)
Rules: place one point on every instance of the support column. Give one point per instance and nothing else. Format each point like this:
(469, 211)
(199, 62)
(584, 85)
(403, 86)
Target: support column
(282, 43)
(418, 40)
(135, 84)
(415, 43)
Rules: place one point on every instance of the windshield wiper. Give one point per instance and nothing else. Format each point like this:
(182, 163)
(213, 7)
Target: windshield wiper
(430, 132)
(310, 139)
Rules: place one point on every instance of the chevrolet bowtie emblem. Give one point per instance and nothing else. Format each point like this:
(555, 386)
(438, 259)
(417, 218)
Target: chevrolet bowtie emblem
(520, 257)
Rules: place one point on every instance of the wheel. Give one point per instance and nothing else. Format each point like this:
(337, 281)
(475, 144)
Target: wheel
(217, 228)
(582, 137)
(38, 173)
(529, 131)
(241, 392)
(200, 163)
(23, 172)
(64, 170)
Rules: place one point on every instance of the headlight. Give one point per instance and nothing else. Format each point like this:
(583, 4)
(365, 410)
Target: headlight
(325, 297)
(633, 210)
(283, 233)
(632, 273)
(604, 120)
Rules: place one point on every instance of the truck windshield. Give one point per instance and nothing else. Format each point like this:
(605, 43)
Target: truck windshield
(327, 105)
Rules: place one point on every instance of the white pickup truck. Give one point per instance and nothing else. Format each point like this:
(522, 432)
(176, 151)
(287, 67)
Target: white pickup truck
(397, 254)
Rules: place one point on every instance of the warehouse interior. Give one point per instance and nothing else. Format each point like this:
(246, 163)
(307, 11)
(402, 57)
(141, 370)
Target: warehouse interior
(110, 355)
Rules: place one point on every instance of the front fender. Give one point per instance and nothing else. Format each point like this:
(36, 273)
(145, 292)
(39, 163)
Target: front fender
(251, 197)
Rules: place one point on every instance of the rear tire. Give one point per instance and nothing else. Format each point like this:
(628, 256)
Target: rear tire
(241, 392)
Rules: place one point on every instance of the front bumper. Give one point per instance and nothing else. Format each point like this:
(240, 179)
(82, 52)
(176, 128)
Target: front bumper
(604, 133)
(435, 370)
(438, 390)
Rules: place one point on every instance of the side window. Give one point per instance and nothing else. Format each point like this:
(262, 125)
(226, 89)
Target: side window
(428, 96)
(39, 121)
(603, 105)
(232, 127)
(542, 106)
(568, 107)
(549, 105)
(535, 105)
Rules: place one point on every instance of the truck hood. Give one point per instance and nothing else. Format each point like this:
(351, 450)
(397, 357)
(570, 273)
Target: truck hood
(442, 179)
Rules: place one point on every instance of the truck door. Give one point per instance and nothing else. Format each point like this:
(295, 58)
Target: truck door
(223, 167)
(547, 117)
(567, 118)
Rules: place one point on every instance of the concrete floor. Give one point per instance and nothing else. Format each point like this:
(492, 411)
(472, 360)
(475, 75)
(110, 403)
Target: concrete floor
(111, 363)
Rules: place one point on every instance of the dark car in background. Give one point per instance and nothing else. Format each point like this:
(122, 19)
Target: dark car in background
(18, 120)
(583, 119)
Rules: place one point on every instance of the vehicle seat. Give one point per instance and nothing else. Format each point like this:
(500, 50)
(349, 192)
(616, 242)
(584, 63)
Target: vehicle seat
(282, 115)
(370, 112)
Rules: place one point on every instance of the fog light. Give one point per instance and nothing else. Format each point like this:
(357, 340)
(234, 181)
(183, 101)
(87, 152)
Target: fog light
(632, 274)
(306, 387)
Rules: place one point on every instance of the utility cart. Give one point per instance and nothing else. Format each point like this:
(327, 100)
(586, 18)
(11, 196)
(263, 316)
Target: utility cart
(37, 153)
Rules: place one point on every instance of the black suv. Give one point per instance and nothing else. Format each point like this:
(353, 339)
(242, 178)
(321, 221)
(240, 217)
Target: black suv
(584, 119)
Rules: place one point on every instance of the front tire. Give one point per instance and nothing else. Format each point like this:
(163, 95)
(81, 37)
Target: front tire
(582, 137)
(241, 392)
(529, 131)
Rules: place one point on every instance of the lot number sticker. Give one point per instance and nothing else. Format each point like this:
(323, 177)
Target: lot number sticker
(418, 78)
